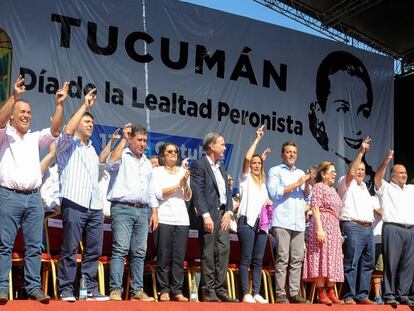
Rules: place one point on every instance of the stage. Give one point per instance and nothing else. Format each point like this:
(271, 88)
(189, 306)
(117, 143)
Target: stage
(28, 305)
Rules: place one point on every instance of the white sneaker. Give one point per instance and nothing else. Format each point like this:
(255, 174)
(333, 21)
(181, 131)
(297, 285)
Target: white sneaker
(249, 298)
(259, 299)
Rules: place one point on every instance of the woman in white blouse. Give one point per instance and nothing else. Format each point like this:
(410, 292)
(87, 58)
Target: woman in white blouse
(253, 196)
(171, 185)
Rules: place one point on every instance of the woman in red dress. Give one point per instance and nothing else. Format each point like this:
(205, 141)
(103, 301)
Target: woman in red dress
(323, 259)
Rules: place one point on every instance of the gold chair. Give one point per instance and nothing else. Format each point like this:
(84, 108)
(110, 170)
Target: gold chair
(18, 260)
(53, 227)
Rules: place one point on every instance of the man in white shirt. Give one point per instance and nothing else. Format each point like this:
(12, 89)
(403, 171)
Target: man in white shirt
(357, 217)
(396, 200)
(20, 180)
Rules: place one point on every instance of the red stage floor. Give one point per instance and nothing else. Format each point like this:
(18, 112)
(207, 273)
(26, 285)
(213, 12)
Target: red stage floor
(23, 305)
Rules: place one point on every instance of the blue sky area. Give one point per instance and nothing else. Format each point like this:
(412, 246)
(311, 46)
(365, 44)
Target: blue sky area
(254, 10)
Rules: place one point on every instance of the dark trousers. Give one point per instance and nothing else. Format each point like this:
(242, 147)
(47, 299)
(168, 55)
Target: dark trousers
(398, 252)
(172, 245)
(215, 251)
(78, 221)
(359, 259)
(252, 247)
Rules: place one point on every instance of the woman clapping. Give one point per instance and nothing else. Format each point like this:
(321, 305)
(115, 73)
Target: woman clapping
(171, 184)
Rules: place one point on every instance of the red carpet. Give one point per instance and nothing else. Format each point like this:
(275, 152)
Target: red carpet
(24, 305)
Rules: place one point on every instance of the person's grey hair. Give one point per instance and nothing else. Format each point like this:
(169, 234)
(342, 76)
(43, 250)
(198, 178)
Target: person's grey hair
(138, 130)
(210, 139)
(21, 100)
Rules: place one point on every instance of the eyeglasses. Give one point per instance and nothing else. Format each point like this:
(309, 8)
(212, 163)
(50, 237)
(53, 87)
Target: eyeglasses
(171, 151)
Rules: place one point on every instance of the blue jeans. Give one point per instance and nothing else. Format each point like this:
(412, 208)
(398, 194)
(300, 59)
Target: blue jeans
(129, 235)
(25, 210)
(359, 259)
(78, 221)
(252, 247)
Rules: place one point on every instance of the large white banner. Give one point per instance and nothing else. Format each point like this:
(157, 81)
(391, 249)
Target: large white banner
(182, 70)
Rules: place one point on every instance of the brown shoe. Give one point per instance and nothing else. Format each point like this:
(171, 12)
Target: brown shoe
(180, 298)
(142, 296)
(365, 301)
(116, 295)
(349, 301)
(164, 297)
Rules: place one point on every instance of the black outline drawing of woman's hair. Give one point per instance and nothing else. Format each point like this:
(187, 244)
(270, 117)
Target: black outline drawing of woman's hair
(5, 66)
(334, 62)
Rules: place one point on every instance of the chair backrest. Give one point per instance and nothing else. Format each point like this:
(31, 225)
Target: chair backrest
(107, 238)
(151, 249)
(234, 248)
(53, 226)
(268, 257)
(19, 242)
(193, 252)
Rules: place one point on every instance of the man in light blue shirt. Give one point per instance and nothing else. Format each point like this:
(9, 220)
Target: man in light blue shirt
(288, 187)
(130, 194)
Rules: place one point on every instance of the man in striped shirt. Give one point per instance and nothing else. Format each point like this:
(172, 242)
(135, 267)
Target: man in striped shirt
(82, 213)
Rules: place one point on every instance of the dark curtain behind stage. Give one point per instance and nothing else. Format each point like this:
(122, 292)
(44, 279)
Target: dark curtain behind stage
(404, 123)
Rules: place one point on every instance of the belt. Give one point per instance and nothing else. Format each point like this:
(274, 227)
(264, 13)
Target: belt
(21, 191)
(400, 225)
(136, 205)
(361, 223)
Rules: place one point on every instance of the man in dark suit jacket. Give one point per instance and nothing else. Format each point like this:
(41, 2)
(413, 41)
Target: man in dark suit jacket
(214, 208)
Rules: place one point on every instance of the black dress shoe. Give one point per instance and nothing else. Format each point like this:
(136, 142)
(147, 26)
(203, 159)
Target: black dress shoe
(210, 298)
(391, 301)
(4, 297)
(225, 298)
(407, 302)
(282, 299)
(40, 296)
(298, 299)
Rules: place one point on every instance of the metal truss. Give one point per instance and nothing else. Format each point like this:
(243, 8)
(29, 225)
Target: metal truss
(329, 23)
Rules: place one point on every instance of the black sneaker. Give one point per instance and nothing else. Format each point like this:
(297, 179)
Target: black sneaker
(67, 296)
(298, 299)
(40, 296)
(96, 297)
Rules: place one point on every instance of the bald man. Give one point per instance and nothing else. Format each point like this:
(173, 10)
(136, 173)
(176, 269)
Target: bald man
(396, 200)
(20, 180)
